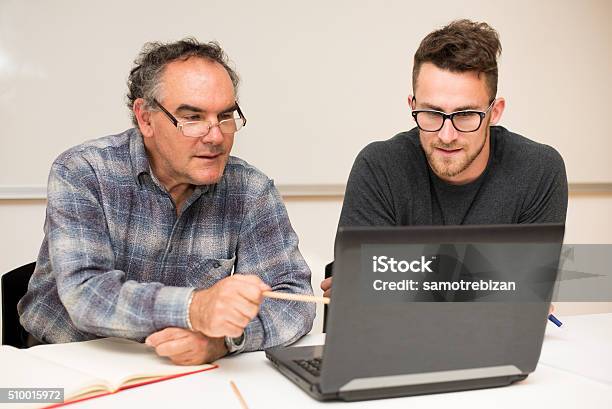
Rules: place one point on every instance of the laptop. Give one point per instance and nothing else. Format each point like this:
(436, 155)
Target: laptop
(474, 318)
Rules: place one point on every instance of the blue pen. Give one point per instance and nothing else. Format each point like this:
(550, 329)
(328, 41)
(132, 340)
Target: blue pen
(555, 320)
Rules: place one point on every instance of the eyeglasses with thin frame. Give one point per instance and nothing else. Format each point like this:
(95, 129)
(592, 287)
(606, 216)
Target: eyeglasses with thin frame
(430, 120)
(198, 129)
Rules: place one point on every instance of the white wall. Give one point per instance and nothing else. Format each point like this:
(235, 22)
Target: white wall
(315, 220)
(322, 78)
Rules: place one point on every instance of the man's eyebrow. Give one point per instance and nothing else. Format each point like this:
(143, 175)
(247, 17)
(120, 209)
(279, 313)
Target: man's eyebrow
(468, 107)
(191, 108)
(187, 107)
(233, 107)
(431, 106)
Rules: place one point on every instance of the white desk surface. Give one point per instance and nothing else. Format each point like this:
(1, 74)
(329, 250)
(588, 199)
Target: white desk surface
(575, 370)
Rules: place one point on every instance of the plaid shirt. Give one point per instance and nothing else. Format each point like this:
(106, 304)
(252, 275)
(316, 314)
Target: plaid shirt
(116, 260)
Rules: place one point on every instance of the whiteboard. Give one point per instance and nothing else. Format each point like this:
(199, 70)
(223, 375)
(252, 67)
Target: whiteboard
(320, 79)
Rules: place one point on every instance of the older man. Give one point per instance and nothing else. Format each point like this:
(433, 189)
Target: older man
(159, 233)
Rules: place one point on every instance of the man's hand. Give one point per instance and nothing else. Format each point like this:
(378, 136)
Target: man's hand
(185, 347)
(227, 307)
(326, 286)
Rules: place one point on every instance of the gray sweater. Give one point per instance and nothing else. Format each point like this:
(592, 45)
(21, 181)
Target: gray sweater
(391, 183)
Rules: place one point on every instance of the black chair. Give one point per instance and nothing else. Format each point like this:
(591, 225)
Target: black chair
(328, 273)
(14, 286)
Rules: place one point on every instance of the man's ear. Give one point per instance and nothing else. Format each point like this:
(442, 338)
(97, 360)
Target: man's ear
(497, 110)
(143, 117)
(411, 101)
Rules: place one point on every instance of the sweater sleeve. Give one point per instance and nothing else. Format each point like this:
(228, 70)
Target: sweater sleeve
(548, 203)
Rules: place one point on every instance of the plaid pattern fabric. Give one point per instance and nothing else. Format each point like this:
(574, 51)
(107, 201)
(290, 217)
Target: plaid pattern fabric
(116, 260)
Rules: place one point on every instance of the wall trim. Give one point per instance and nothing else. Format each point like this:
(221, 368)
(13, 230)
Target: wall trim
(23, 192)
(39, 192)
(590, 188)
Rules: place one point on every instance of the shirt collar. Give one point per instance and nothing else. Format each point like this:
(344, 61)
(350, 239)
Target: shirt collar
(138, 155)
(141, 165)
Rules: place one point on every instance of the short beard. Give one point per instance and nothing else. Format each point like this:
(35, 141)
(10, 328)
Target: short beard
(447, 171)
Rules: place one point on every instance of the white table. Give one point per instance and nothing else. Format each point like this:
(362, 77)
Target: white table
(582, 346)
(574, 371)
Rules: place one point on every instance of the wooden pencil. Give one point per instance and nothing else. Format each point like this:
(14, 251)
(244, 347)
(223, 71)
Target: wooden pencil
(239, 395)
(295, 297)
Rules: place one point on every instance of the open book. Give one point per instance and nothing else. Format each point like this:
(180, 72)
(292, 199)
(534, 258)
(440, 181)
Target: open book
(86, 369)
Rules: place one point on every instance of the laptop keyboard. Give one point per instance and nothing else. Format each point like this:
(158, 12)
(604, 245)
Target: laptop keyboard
(312, 366)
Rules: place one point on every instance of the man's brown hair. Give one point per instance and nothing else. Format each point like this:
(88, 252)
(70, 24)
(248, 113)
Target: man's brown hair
(462, 45)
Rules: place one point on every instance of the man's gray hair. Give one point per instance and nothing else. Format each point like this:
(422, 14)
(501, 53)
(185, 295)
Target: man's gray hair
(144, 80)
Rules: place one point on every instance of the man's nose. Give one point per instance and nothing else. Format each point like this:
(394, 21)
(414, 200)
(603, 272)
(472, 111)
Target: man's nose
(448, 133)
(214, 135)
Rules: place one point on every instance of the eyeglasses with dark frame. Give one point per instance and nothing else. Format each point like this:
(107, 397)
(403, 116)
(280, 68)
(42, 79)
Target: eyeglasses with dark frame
(198, 129)
(430, 120)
